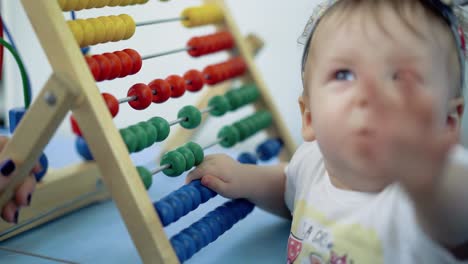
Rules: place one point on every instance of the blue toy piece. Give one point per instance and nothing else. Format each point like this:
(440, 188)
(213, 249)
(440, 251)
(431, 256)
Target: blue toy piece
(15, 115)
(165, 212)
(82, 148)
(269, 149)
(247, 158)
(85, 50)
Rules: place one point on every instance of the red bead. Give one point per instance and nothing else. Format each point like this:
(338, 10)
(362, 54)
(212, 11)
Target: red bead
(178, 85)
(104, 66)
(93, 66)
(116, 65)
(112, 103)
(212, 74)
(161, 90)
(126, 62)
(74, 126)
(144, 96)
(194, 80)
(210, 43)
(136, 58)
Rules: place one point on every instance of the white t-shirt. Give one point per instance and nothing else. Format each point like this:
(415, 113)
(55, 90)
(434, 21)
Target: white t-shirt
(336, 226)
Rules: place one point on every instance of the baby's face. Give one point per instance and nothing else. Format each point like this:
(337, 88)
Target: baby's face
(355, 55)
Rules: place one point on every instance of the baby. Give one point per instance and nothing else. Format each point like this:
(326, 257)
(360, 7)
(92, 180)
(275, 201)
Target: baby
(376, 180)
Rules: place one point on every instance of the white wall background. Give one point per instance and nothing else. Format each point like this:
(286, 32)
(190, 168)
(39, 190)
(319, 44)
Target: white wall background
(278, 23)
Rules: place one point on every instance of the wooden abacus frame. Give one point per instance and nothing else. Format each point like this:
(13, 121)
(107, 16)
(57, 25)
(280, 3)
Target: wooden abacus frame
(72, 87)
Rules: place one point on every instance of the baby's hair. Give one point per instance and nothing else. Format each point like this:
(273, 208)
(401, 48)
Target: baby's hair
(434, 9)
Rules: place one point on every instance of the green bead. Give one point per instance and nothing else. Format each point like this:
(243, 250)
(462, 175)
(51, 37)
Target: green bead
(145, 176)
(192, 117)
(220, 105)
(162, 126)
(150, 131)
(130, 139)
(250, 92)
(177, 162)
(243, 129)
(230, 136)
(142, 137)
(188, 155)
(234, 99)
(197, 152)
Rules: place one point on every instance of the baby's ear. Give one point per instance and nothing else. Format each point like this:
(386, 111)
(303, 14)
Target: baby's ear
(455, 115)
(308, 133)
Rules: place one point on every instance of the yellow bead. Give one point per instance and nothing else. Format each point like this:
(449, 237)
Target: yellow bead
(76, 30)
(129, 25)
(102, 3)
(92, 4)
(126, 2)
(202, 15)
(120, 28)
(114, 2)
(88, 30)
(62, 3)
(109, 27)
(70, 5)
(99, 31)
(82, 4)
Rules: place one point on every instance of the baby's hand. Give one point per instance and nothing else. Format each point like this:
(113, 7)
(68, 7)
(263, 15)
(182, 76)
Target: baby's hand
(23, 194)
(222, 174)
(412, 147)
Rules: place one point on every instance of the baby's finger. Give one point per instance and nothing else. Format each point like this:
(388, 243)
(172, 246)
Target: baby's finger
(196, 174)
(37, 168)
(10, 212)
(7, 168)
(215, 184)
(24, 192)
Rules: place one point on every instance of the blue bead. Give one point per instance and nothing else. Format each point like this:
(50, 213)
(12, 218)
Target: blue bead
(196, 236)
(214, 226)
(15, 115)
(85, 50)
(176, 205)
(165, 212)
(228, 216)
(189, 244)
(205, 192)
(82, 148)
(236, 211)
(216, 214)
(269, 149)
(247, 158)
(185, 199)
(194, 194)
(179, 249)
(205, 230)
(45, 165)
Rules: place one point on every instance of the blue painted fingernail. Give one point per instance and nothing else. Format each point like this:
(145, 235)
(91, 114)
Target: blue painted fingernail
(29, 199)
(7, 168)
(16, 216)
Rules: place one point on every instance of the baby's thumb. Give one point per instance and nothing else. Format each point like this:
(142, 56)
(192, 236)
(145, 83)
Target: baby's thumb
(195, 174)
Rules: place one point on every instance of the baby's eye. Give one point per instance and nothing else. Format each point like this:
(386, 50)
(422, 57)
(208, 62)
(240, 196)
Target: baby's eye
(344, 75)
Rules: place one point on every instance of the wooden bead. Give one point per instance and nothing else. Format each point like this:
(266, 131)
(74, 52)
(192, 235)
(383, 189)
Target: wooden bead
(162, 126)
(145, 176)
(116, 65)
(76, 30)
(178, 85)
(136, 58)
(161, 90)
(109, 26)
(191, 115)
(194, 80)
(119, 27)
(93, 67)
(99, 31)
(126, 62)
(144, 96)
(130, 25)
(112, 103)
(176, 161)
(104, 66)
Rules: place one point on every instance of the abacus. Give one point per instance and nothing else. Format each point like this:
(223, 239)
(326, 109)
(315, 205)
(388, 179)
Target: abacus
(72, 86)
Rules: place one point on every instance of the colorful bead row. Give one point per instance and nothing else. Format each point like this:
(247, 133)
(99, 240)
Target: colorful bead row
(182, 159)
(245, 128)
(76, 5)
(179, 203)
(209, 228)
(220, 72)
(102, 29)
(118, 64)
(210, 43)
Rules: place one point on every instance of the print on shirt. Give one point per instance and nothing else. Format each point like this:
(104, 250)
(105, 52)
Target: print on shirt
(314, 239)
